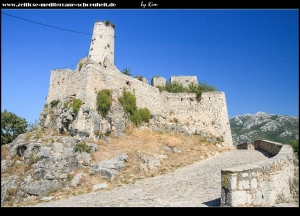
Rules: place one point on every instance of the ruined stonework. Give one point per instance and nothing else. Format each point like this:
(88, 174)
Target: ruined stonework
(185, 81)
(158, 81)
(177, 112)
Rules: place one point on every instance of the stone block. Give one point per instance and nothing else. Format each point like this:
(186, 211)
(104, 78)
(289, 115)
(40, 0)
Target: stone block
(244, 174)
(246, 184)
(100, 186)
(238, 198)
(240, 185)
(232, 182)
(158, 81)
(258, 201)
(253, 183)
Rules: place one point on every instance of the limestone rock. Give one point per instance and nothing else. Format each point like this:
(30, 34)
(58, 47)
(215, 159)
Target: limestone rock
(100, 186)
(150, 162)
(75, 180)
(110, 168)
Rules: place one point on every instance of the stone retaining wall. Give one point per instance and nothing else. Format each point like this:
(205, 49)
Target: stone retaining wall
(264, 183)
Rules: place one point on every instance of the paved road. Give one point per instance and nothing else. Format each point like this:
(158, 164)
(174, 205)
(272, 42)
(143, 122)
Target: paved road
(197, 185)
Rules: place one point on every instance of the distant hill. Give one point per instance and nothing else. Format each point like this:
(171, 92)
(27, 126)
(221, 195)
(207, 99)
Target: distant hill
(277, 128)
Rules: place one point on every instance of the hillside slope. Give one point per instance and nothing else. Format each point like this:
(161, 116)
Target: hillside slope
(273, 127)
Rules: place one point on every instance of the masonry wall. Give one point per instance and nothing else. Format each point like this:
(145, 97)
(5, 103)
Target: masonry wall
(59, 80)
(210, 114)
(260, 184)
(102, 43)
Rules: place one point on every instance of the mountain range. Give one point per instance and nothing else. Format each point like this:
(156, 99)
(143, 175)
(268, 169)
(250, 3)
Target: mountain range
(273, 127)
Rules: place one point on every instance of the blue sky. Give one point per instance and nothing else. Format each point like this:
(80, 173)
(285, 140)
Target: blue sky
(251, 55)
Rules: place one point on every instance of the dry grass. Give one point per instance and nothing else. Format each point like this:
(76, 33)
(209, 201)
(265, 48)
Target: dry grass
(139, 141)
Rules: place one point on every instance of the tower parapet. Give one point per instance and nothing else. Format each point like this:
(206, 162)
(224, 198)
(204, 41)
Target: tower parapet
(103, 42)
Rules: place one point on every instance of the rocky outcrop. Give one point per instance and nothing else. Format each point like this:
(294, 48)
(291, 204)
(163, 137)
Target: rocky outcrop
(110, 168)
(87, 123)
(35, 166)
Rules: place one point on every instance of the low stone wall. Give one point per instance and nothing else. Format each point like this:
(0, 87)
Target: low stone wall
(264, 183)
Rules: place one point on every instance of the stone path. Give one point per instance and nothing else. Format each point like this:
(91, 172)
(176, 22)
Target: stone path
(197, 185)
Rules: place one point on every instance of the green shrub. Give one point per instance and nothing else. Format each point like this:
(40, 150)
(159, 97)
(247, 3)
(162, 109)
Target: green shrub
(126, 71)
(161, 88)
(54, 103)
(140, 115)
(137, 116)
(205, 87)
(80, 65)
(174, 87)
(145, 114)
(33, 159)
(107, 22)
(193, 88)
(69, 177)
(104, 101)
(46, 106)
(295, 146)
(82, 146)
(76, 105)
(128, 102)
(140, 78)
(66, 104)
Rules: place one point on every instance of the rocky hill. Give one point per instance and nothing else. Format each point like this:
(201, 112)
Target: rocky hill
(42, 165)
(273, 127)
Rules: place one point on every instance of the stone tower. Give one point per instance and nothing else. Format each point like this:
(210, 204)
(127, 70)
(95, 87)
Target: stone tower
(103, 42)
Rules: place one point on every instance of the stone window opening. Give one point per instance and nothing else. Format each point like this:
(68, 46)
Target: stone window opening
(181, 99)
(128, 83)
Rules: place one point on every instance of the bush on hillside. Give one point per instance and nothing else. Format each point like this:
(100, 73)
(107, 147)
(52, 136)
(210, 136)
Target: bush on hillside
(104, 101)
(76, 105)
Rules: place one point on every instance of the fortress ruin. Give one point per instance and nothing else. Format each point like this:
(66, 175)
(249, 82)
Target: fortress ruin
(168, 110)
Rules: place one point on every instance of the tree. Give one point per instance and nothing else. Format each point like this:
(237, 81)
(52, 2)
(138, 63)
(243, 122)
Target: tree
(126, 71)
(11, 126)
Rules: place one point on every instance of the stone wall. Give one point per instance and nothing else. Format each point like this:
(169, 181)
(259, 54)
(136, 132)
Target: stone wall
(264, 183)
(210, 114)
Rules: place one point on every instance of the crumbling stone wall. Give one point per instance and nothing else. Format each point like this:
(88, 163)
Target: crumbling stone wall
(210, 114)
(260, 184)
(185, 81)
